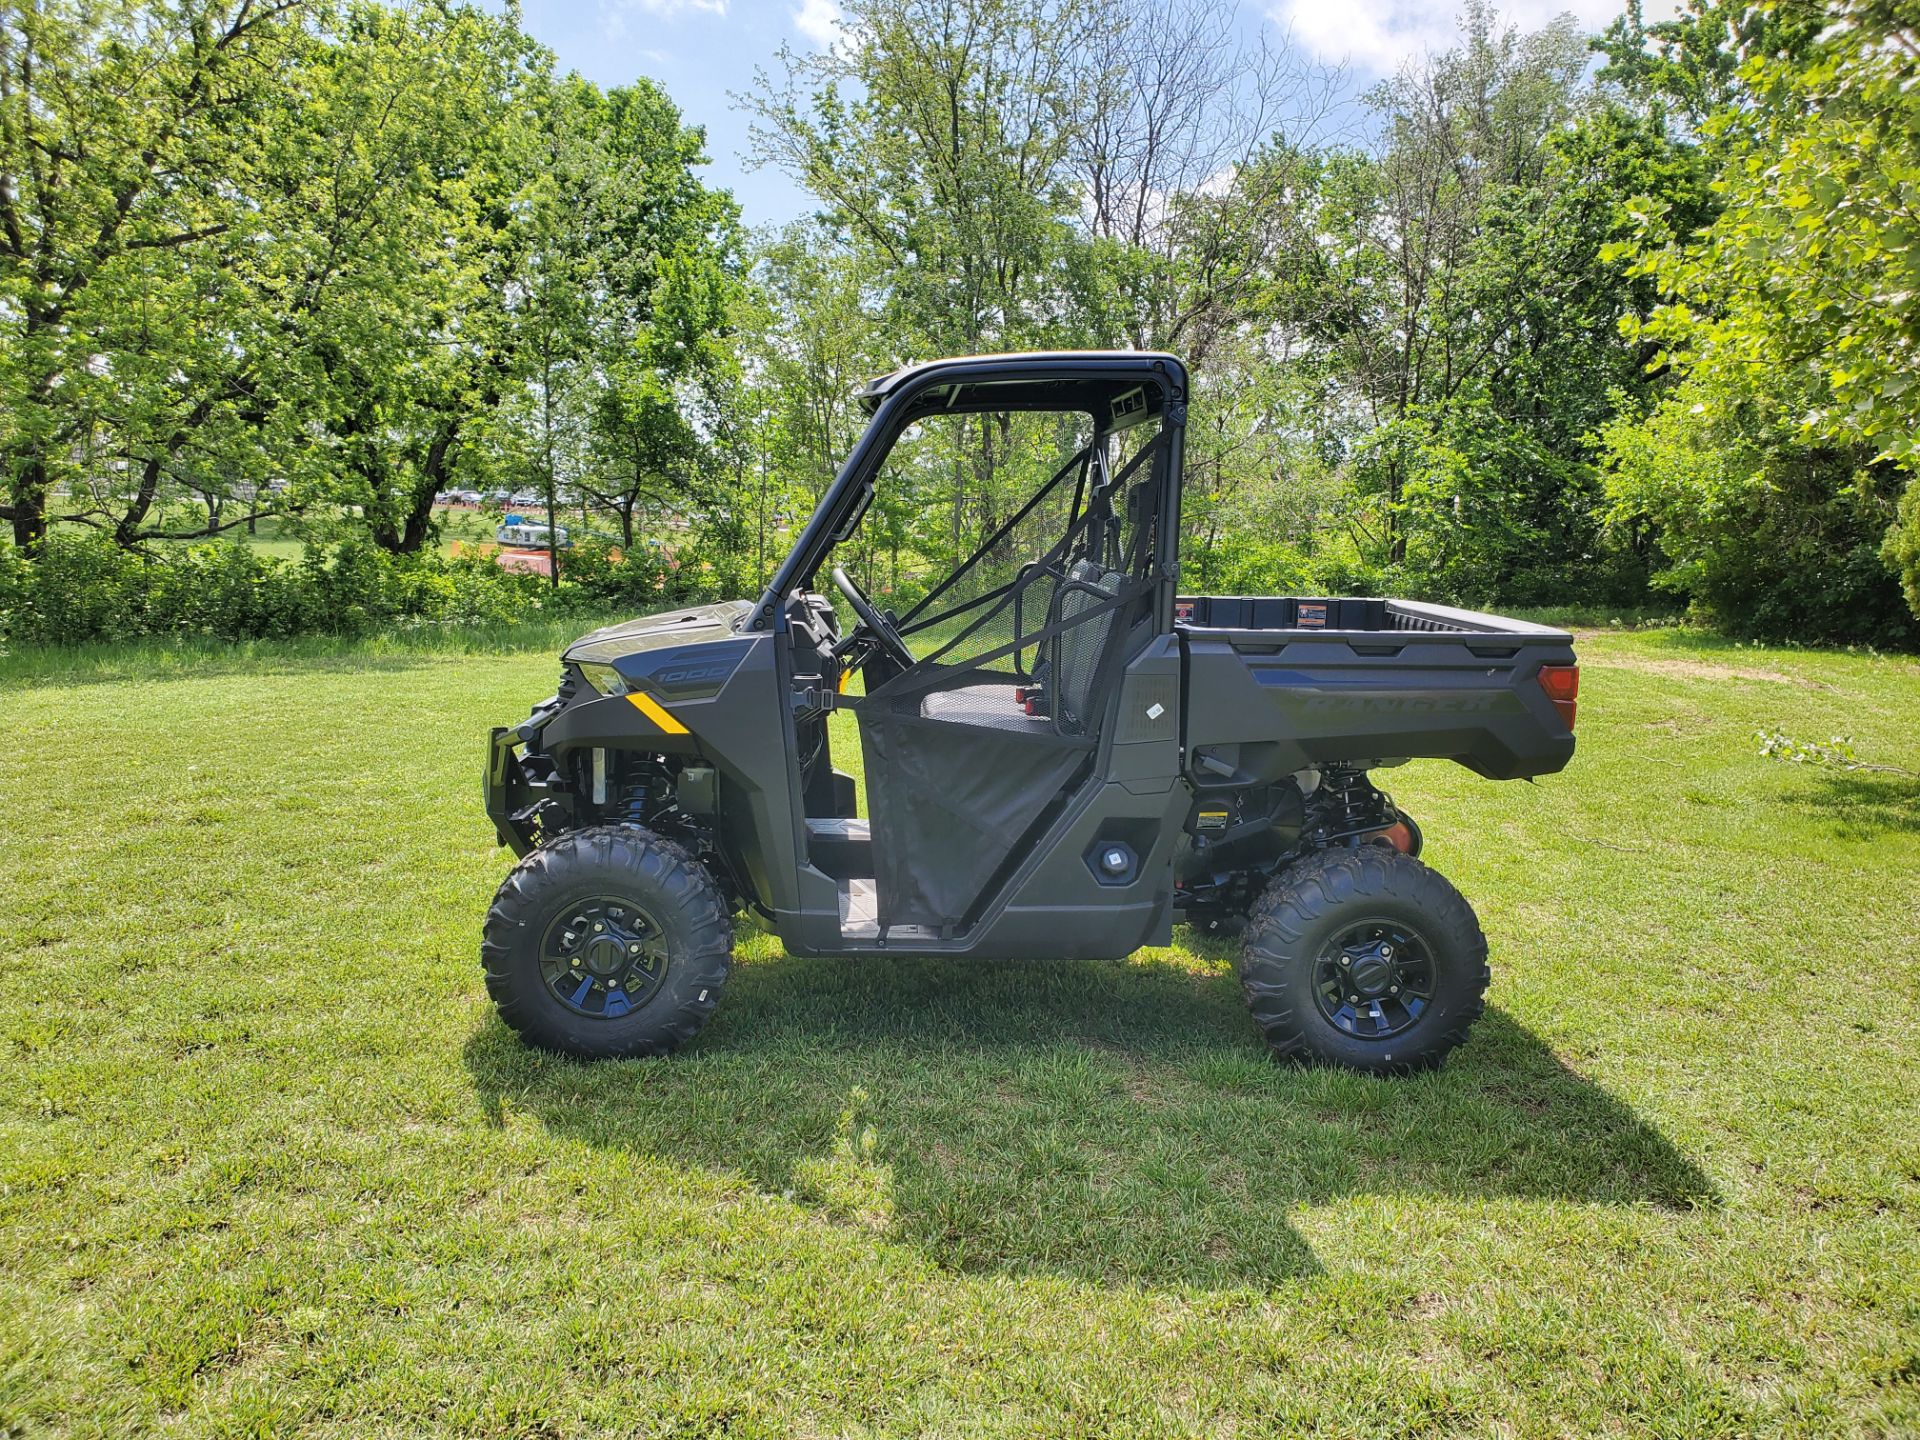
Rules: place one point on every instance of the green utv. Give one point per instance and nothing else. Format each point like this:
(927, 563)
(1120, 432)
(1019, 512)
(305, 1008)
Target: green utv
(1063, 754)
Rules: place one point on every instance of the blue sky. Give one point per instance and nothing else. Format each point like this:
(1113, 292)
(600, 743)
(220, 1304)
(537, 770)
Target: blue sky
(702, 49)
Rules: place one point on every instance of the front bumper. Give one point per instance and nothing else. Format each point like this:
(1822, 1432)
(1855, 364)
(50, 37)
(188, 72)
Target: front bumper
(511, 801)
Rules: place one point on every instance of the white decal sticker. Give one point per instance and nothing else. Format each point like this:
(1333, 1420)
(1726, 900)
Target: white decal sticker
(1156, 710)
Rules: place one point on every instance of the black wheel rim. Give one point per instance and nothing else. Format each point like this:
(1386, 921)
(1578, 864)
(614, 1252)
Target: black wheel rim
(1374, 979)
(603, 957)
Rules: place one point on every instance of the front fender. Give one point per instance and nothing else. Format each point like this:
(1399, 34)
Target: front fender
(635, 721)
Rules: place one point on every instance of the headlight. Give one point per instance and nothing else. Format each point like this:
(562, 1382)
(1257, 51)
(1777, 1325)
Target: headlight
(603, 678)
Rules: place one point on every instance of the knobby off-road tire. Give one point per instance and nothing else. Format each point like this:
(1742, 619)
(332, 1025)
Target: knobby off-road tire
(1314, 945)
(607, 942)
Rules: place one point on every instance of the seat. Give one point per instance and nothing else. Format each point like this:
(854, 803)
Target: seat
(1077, 653)
(841, 847)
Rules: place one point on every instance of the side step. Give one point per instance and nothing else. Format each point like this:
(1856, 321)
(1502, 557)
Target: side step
(859, 910)
(860, 918)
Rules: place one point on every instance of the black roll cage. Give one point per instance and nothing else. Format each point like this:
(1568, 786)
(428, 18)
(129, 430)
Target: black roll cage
(895, 401)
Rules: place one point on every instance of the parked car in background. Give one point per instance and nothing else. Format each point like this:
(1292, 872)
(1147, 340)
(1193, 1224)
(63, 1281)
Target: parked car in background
(517, 532)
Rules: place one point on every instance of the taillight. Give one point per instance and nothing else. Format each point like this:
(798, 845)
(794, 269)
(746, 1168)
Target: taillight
(1562, 684)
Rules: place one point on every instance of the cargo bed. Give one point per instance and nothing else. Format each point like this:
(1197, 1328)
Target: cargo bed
(1265, 613)
(1277, 684)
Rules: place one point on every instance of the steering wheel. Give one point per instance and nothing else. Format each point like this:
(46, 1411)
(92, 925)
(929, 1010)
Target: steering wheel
(876, 624)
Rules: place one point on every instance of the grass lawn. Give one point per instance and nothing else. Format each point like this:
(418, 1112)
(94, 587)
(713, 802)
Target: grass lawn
(268, 1163)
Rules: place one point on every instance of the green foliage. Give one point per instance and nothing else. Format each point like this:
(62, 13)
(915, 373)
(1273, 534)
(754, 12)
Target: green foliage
(1459, 287)
(947, 172)
(1813, 263)
(1795, 316)
(1902, 547)
(84, 588)
(362, 252)
(1767, 534)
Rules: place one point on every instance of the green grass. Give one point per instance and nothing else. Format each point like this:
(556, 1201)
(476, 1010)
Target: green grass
(202, 657)
(269, 1165)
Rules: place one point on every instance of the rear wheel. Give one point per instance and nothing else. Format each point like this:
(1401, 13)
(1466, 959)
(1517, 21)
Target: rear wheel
(607, 942)
(1364, 958)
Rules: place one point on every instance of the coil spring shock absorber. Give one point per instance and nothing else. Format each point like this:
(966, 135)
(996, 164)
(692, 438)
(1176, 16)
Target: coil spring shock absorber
(1346, 804)
(634, 808)
(645, 795)
(648, 800)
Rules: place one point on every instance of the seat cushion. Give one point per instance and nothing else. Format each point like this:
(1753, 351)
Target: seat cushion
(991, 706)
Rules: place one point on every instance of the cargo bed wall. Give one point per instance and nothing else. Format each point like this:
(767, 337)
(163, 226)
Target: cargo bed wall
(1425, 681)
(1302, 612)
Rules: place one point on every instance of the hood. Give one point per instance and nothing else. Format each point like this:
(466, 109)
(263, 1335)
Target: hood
(671, 629)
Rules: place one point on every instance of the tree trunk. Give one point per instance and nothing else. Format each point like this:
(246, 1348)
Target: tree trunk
(30, 504)
(1396, 530)
(416, 526)
(138, 508)
(760, 543)
(407, 537)
(546, 447)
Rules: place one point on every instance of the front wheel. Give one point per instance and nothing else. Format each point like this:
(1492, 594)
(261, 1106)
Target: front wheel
(1364, 958)
(607, 942)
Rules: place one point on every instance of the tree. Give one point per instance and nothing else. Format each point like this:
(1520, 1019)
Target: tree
(1804, 290)
(661, 257)
(128, 134)
(399, 302)
(252, 245)
(946, 174)
(1190, 150)
(1463, 307)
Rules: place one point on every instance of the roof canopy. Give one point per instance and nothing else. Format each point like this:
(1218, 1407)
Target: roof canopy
(1096, 381)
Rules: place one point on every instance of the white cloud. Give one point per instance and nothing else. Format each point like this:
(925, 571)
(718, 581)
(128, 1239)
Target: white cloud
(818, 20)
(616, 15)
(662, 9)
(1377, 36)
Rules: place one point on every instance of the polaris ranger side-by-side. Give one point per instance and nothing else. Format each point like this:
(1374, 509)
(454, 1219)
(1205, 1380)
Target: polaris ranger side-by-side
(1063, 755)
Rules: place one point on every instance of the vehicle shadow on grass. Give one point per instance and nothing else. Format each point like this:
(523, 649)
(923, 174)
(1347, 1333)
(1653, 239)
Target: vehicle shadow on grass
(1118, 1123)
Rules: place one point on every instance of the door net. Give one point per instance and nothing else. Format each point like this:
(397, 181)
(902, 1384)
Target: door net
(967, 751)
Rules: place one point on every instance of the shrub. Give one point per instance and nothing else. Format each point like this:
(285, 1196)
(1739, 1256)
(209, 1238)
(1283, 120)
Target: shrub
(84, 588)
(1764, 533)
